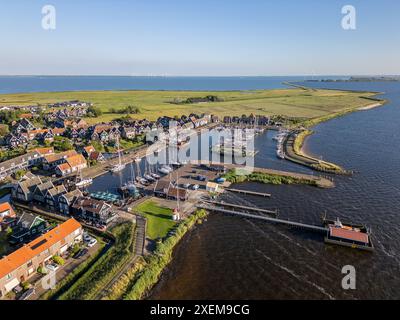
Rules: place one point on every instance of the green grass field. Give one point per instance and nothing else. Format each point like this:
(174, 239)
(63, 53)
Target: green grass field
(295, 102)
(159, 219)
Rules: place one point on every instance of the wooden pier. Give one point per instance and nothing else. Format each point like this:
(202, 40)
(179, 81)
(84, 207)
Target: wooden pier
(247, 192)
(231, 205)
(265, 218)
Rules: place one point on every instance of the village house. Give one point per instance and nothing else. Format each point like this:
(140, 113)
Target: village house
(128, 133)
(91, 210)
(28, 227)
(23, 162)
(22, 125)
(7, 215)
(161, 188)
(45, 151)
(25, 189)
(77, 162)
(39, 195)
(88, 150)
(97, 156)
(214, 119)
(212, 187)
(177, 193)
(66, 200)
(15, 141)
(23, 263)
(53, 197)
(50, 162)
(63, 170)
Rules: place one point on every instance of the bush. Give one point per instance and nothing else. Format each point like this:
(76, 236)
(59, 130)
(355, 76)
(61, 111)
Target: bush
(25, 285)
(75, 249)
(19, 174)
(41, 270)
(60, 261)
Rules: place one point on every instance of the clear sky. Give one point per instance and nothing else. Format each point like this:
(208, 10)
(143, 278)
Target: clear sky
(204, 37)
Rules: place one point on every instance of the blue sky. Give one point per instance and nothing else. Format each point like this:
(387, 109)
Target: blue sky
(185, 37)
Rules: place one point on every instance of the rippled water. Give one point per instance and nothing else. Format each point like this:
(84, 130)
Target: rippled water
(232, 258)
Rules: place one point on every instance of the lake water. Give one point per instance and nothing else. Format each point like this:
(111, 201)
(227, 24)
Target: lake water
(16, 84)
(232, 258)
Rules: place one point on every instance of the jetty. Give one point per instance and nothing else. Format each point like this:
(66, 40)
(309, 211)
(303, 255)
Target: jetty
(247, 192)
(231, 205)
(300, 225)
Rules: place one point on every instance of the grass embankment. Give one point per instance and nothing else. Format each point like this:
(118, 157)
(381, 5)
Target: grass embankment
(302, 158)
(94, 280)
(293, 102)
(72, 277)
(238, 176)
(155, 264)
(159, 219)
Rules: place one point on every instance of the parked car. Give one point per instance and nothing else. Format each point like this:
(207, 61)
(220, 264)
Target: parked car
(27, 294)
(92, 243)
(53, 267)
(201, 178)
(86, 237)
(186, 185)
(195, 187)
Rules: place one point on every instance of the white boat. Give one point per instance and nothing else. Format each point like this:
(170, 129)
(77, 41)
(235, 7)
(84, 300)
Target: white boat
(149, 178)
(120, 166)
(280, 154)
(163, 170)
(142, 181)
(155, 176)
(168, 168)
(84, 183)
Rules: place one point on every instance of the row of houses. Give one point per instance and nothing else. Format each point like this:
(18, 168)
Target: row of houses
(66, 114)
(70, 104)
(24, 162)
(247, 120)
(23, 263)
(58, 200)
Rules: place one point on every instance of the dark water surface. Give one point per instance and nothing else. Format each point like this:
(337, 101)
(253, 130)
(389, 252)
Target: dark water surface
(232, 258)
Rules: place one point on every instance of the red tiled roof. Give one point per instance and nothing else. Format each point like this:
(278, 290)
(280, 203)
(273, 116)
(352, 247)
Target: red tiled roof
(348, 234)
(45, 151)
(16, 259)
(76, 160)
(64, 167)
(5, 207)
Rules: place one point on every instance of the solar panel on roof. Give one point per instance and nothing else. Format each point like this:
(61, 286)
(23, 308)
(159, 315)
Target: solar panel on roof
(37, 245)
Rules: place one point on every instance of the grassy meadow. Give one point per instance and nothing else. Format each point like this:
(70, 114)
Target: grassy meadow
(294, 102)
(159, 219)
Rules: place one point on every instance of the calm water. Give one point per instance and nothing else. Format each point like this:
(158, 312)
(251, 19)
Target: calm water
(233, 258)
(16, 84)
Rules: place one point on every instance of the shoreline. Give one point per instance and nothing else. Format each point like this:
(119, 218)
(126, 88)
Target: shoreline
(142, 282)
(296, 140)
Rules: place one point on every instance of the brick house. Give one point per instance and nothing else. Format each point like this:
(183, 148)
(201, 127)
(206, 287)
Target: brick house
(23, 263)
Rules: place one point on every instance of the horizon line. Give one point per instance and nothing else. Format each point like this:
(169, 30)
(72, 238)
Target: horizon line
(198, 76)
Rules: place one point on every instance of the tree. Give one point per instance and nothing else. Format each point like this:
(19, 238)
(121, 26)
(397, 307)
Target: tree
(94, 112)
(4, 130)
